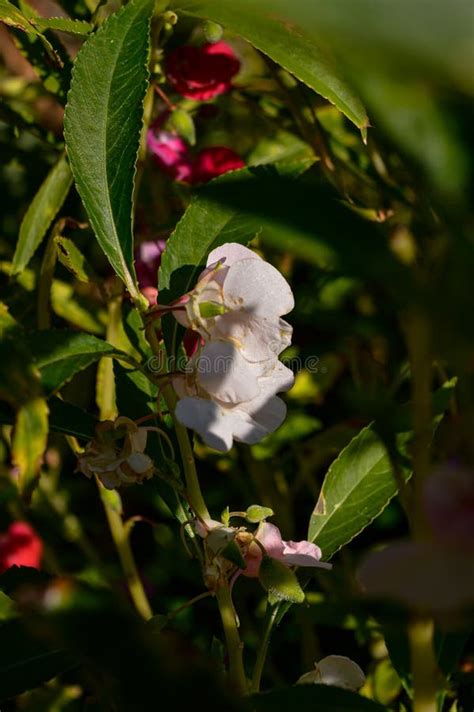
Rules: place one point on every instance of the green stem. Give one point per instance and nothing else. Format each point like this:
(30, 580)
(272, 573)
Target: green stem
(233, 642)
(195, 498)
(263, 649)
(124, 550)
(45, 282)
(423, 664)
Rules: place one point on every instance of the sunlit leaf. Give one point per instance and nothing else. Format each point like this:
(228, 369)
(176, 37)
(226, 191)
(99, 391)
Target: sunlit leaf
(41, 213)
(102, 129)
(357, 488)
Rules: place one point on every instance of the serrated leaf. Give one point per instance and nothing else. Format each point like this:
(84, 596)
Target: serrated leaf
(358, 486)
(60, 354)
(102, 128)
(11, 15)
(313, 697)
(287, 43)
(29, 442)
(72, 258)
(41, 213)
(280, 581)
(63, 24)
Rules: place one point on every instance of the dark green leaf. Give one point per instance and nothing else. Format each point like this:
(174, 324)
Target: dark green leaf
(41, 213)
(313, 697)
(26, 662)
(357, 488)
(68, 419)
(102, 129)
(301, 53)
(61, 354)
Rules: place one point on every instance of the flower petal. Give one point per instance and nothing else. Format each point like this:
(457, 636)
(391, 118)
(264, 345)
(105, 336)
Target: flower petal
(224, 373)
(230, 253)
(303, 553)
(257, 287)
(335, 670)
(212, 423)
(269, 537)
(257, 338)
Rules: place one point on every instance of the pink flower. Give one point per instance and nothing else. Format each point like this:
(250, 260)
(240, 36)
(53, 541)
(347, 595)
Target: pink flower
(170, 153)
(202, 72)
(20, 546)
(214, 161)
(147, 262)
(291, 553)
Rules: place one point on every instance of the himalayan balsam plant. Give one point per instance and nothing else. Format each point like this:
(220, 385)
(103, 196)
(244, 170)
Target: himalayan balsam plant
(236, 382)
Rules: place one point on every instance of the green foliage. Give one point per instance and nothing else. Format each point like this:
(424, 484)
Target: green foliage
(102, 129)
(357, 488)
(59, 355)
(26, 662)
(280, 581)
(331, 699)
(41, 213)
(291, 47)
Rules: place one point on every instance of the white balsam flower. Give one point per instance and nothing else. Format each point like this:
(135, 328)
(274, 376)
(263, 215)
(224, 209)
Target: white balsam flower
(229, 390)
(335, 670)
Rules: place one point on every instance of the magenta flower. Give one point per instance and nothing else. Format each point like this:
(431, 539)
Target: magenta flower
(202, 73)
(170, 153)
(214, 161)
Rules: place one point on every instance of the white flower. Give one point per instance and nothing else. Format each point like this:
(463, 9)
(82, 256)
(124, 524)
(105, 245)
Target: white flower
(229, 390)
(335, 670)
(240, 297)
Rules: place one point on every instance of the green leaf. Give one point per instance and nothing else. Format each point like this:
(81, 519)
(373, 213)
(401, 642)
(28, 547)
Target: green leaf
(313, 697)
(29, 442)
(11, 15)
(76, 308)
(68, 419)
(63, 24)
(26, 662)
(72, 258)
(288, 44)
(358, 486)
(41, 213)
(102, 128)
(280, 581)
(60, 355)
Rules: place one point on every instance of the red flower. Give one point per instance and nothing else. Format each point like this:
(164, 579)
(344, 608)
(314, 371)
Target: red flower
(20, 546)
(214, 161)
(202, 72)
